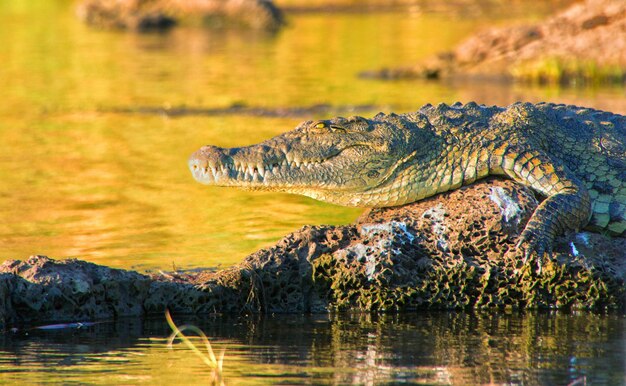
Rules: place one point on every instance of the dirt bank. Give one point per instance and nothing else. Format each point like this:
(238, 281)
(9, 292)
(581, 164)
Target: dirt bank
(585, 43)
(455, 250)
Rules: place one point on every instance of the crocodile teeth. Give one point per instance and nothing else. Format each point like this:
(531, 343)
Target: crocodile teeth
(257, 171)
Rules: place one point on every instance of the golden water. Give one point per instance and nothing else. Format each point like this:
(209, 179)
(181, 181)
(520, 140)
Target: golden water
(80, 177)
(422, 348)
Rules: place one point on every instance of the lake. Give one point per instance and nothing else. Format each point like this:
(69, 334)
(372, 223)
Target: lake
(94, 166)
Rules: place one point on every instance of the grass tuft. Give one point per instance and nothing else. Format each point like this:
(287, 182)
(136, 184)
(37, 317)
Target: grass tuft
(208, 358)
(568, 72)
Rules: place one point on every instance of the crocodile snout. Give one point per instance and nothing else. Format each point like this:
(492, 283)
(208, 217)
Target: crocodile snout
(206, 160)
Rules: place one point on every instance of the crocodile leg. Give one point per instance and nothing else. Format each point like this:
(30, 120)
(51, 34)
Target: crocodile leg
(567, 205)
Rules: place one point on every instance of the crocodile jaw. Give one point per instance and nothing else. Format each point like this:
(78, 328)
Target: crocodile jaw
(343, 161)
(260, 168)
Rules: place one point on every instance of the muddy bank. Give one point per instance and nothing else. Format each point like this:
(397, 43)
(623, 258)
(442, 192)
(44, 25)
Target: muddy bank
(141, 15)
(586, 43)
(455, 250)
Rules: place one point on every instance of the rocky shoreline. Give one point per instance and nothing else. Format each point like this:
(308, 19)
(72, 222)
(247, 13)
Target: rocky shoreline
(584, 44)
(453, 251)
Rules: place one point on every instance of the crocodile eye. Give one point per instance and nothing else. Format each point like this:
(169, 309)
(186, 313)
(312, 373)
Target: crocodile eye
(319, 127)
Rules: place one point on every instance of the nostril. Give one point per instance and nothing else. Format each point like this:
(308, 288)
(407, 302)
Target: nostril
(194, 165)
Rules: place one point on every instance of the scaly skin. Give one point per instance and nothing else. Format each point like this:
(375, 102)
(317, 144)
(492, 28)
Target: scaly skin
(574, 157)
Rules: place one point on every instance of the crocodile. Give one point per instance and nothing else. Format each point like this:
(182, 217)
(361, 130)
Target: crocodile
(573, 157)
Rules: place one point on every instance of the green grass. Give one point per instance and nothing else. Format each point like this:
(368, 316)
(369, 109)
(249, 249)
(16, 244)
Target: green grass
(568, 72)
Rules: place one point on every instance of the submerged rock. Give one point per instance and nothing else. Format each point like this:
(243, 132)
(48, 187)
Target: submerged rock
(143, 15)
(584, 43)
(455, 250)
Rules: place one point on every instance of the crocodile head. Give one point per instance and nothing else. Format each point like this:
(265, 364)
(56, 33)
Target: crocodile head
(337, 160)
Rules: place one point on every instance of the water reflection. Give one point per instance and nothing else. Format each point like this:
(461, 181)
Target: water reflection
(83, 178)
(433, 348)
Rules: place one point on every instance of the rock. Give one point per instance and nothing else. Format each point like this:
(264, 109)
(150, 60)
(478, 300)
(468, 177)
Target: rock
(141, 15)
(452, 251)
(584, 43)
(42, 289)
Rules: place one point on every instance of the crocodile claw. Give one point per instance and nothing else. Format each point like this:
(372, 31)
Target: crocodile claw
(535, 243)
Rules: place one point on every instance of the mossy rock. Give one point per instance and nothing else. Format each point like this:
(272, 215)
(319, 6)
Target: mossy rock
(452, 251)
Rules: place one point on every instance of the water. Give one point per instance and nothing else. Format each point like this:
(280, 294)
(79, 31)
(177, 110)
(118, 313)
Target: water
(426, 348)
(82, 177)
(90, 169)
